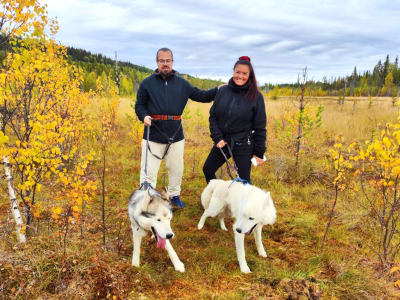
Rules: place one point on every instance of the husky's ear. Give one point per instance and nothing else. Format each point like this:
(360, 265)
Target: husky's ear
(147, 200)
(164, 194)
(153, 193)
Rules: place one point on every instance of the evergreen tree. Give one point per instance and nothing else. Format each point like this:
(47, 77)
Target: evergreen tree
(396, 72)
(386, 67)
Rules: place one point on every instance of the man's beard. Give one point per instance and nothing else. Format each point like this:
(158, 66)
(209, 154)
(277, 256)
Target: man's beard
(165, 72)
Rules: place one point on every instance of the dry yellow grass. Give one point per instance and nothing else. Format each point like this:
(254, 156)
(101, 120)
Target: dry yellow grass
(296, 265)
(353, 121)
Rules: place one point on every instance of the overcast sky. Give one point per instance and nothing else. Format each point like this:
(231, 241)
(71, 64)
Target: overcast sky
(281, 37)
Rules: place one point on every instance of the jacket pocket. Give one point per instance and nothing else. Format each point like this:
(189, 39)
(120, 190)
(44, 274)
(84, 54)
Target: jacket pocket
(243, 146)
(243, 139)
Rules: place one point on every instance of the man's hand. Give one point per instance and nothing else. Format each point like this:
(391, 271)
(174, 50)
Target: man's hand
(221, 85)
(147, 121)
(221, 144)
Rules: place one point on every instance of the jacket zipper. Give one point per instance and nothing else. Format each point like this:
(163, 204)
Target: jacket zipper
(166, 99)
(229, 113)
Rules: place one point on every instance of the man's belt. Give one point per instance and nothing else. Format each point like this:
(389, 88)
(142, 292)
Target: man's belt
(165, 117)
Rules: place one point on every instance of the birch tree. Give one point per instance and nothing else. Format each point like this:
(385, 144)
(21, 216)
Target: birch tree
(44, 127)
(17, 18)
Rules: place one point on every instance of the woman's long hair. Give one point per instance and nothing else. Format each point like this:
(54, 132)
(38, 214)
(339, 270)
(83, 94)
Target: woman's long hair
(252, 92)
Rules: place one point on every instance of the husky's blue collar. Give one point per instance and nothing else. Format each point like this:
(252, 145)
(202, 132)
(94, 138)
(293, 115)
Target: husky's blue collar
(238, 179)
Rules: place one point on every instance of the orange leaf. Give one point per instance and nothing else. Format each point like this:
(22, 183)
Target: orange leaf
(394, 269)
(397, 284)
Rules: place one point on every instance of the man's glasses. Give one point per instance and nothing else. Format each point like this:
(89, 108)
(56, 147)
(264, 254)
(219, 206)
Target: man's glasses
(165, 61)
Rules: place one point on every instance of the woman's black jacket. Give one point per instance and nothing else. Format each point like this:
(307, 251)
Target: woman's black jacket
(234, 118)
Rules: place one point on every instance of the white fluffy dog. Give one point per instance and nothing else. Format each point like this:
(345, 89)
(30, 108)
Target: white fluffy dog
(250, 206)
(151, 211)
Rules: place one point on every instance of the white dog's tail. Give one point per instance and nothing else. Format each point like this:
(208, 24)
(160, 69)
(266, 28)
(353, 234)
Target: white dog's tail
(207, 193)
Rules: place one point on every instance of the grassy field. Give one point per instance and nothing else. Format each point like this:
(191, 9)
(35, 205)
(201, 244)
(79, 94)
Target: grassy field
(298, 266)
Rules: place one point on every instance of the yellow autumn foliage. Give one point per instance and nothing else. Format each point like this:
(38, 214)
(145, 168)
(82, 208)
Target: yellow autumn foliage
(20, 17)
(46, 134)
(376, 164)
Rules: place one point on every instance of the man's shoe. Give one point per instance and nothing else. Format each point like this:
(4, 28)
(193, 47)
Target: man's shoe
(176, 201)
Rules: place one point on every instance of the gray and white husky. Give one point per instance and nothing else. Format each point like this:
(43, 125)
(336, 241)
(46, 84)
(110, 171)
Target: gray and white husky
(150, 210)
(250, 206)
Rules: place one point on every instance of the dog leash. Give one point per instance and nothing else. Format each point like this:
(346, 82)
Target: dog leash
(146, 185)
(229, 166)
(169, 139)
(233, 167)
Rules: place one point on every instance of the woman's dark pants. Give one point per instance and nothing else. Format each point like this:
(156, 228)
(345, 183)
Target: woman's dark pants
(242, 154)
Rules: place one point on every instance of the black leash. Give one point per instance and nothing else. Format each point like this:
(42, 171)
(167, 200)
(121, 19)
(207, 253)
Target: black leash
(229, 166)
(233, 167)
(169, 139)
(146, 185)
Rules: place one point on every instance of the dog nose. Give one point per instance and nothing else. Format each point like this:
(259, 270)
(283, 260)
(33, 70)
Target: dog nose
(169, 235)
(239, 230)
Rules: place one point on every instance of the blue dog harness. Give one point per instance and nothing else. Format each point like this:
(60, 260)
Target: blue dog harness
(238, 179)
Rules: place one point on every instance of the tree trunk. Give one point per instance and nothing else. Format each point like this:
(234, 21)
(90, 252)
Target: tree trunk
(103, 204)
(300, 121)
(299, 134)
(14, 203)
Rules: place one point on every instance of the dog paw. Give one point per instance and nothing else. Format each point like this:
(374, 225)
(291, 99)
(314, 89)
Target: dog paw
(245, 269)
(200, 226)
(180, 267)
(263, 254)
(224, 228)
(135, 263)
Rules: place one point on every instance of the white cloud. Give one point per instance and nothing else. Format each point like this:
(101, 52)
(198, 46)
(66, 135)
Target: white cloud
(281, 37)
(279, 45)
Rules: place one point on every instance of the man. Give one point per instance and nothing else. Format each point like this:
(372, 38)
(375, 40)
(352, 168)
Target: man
(160, 102)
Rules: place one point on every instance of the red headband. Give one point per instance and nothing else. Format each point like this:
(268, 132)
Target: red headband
(244, 58)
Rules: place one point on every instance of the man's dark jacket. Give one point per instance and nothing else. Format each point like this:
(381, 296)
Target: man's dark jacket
(234, 118)
(158, 95)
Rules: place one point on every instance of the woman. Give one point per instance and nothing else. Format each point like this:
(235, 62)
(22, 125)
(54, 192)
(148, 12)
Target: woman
(237, 118)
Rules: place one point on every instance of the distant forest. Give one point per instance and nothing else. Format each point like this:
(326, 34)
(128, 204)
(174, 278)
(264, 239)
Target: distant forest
(99, 70)
(384, 80)
(128, 75)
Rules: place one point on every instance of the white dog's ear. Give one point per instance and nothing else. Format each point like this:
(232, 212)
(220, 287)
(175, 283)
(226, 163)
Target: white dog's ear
(269, 199)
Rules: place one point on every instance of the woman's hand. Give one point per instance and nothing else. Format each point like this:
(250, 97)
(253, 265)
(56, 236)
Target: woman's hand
(259, 161)
(221, 144)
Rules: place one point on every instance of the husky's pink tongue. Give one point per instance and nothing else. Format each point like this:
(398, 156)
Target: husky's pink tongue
(160, 242)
